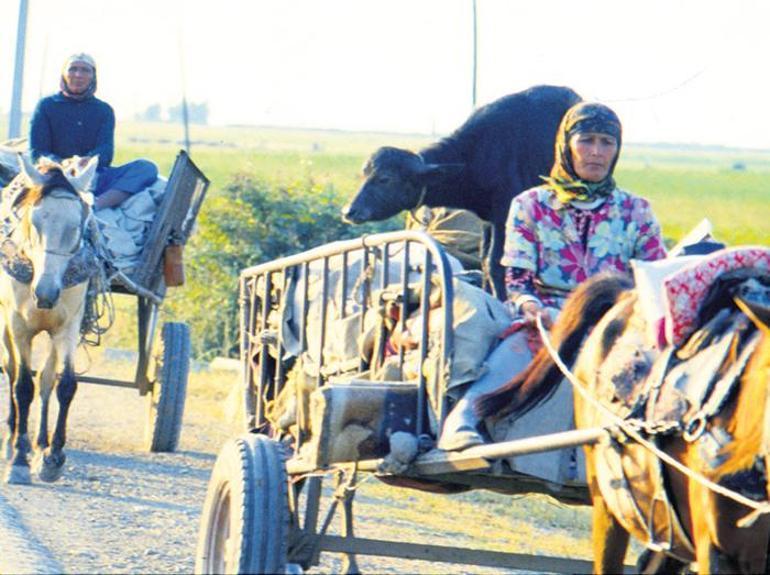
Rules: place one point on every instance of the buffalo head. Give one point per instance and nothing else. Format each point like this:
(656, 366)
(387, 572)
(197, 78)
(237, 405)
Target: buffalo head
(395, 180)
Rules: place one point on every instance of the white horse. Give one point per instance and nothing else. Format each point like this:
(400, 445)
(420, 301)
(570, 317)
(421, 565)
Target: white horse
(51, 218)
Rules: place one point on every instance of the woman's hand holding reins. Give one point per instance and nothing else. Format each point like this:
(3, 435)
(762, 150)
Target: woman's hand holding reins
(530, 310)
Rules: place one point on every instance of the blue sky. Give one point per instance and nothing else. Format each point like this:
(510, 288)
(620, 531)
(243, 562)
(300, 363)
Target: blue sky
(684, 71)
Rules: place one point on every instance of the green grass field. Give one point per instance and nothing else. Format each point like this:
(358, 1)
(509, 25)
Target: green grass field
(684, 184)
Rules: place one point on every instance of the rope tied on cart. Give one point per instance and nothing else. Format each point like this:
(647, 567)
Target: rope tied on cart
(99, 305)
(634, 428)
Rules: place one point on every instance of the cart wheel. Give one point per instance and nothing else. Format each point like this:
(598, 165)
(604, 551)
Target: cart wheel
(245, 520)
(165, 405)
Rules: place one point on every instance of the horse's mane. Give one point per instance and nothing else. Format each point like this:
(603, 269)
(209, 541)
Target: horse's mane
(54, 180)
(747, 423)
(537, 382)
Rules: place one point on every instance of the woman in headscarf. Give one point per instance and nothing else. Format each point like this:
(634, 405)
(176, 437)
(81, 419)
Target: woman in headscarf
(578, 223)
(73, 122)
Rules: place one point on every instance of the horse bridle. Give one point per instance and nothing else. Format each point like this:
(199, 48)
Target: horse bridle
(86, 215)
(637, 433)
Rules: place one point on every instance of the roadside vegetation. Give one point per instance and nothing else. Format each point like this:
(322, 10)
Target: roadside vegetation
(275, 192)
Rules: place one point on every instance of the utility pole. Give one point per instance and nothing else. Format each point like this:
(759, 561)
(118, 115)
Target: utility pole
(183, 75)
(186, 122)
(475, 54)
(14, 118)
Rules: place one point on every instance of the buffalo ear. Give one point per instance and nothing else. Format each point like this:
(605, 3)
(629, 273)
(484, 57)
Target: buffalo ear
(433, 173)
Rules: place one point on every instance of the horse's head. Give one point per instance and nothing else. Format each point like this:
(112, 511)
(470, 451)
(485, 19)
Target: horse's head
(53, 221)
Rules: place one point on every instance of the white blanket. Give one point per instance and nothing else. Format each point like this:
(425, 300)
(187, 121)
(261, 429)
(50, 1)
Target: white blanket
(125, 227)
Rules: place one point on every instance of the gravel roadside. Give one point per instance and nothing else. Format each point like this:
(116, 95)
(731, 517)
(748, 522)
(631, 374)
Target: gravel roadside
(119, 509)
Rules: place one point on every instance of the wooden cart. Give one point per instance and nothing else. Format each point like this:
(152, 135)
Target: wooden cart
(263, 507)
(162, 366)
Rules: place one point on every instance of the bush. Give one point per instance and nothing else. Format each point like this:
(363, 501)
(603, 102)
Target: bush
(247, 223)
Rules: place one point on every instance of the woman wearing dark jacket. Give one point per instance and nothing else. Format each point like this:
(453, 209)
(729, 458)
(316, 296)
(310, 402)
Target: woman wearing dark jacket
(74, 122)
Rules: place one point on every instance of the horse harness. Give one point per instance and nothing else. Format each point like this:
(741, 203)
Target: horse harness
(679, 393)
(84, 261)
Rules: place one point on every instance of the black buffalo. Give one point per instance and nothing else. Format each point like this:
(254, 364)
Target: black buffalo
(501, 150)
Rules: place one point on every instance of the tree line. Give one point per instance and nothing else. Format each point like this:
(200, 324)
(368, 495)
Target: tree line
(197, 113)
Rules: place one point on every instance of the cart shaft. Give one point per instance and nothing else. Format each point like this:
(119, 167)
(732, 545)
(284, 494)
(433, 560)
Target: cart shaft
(476, 458)
(437, 461)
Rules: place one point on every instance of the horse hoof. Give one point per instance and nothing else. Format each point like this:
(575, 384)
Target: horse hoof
(50, 468)
(18, 475)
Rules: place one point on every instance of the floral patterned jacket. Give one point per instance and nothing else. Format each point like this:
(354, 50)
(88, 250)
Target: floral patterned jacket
(543, 236)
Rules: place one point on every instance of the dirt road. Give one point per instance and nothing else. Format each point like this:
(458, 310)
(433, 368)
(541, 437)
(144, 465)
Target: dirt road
(119, 509)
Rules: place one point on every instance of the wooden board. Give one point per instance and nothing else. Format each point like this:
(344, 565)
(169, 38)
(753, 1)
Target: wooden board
(174, 221)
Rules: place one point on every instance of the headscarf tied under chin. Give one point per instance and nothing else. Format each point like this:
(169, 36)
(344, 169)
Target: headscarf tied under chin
(83, 58)
(581, 118)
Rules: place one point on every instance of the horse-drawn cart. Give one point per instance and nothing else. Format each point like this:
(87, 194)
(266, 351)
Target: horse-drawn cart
(61, 264)
(327, 394)
(162, 366)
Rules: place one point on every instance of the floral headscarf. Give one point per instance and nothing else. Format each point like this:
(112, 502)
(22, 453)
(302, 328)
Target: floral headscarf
(82, 58)
(581, 118)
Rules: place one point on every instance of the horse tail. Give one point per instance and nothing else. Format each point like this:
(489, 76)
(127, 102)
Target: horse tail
(539, 380)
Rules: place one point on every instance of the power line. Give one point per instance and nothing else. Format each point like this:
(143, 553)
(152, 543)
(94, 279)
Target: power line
(662, 93)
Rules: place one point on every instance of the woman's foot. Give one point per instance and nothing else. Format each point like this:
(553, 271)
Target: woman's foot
(459, 439)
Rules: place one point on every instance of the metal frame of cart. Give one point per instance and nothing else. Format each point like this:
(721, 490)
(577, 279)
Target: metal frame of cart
(254, 518)
(161, 374)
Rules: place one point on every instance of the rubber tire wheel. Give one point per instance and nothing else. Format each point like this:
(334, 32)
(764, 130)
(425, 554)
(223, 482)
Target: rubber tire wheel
(245, 522)
(165, 404)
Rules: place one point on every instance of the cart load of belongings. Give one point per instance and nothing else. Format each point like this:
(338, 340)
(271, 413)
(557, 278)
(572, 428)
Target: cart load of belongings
(355, 415)
(123, 229)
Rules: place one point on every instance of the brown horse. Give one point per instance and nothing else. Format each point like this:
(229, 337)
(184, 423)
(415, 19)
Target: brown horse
(49, 220)
(679, 517)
